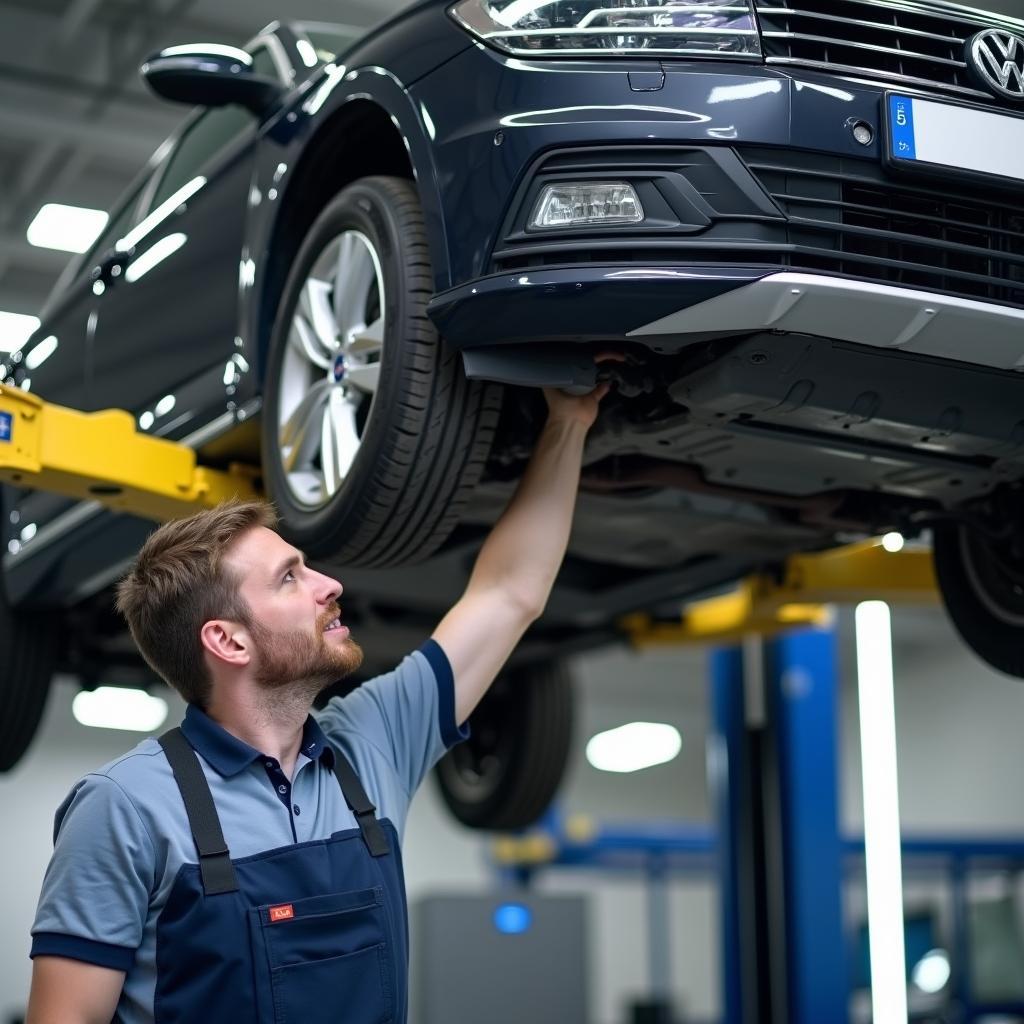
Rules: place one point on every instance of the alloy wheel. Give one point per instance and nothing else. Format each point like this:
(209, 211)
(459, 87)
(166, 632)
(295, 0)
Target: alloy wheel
(331, 368)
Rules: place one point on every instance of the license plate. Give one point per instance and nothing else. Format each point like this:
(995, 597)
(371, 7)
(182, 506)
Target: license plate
(923, 133)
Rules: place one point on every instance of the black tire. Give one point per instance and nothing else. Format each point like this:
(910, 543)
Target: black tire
(27, 660)
(982, 586)
(506, 774)
(429, 430)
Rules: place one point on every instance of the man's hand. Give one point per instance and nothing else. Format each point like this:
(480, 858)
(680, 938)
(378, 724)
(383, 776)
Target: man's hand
(579, 408)
(517, 566)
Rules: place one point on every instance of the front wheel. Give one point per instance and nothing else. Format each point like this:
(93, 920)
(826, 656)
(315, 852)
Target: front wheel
(982, 586)
(373, 438)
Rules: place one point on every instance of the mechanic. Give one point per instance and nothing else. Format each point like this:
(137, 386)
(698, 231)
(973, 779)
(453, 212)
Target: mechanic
(247, 865)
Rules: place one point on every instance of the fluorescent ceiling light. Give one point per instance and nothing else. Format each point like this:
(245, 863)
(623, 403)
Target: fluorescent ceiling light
(161, 213)
(217, 49)
(41, 352)
(306, 52)
(881, 813)
(68, 228)
(15, 330)
(113, 707)
(156, 253)
(629, 748)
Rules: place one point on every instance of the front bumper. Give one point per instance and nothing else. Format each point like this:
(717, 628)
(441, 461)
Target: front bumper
(529, 328)
(744, 171)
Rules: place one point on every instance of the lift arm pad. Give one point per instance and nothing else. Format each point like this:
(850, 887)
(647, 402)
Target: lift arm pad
(101, 457)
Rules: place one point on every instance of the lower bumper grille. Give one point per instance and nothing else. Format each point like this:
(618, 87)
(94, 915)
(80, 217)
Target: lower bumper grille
(963, 240)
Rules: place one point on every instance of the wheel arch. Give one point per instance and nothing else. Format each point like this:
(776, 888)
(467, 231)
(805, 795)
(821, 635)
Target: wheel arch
(361, 135)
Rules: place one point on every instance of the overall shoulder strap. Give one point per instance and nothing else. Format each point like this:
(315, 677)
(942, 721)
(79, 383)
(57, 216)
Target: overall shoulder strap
(359, 804)
(218, 873)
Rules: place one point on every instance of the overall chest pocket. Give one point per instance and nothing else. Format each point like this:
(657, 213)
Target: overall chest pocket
(330, 958)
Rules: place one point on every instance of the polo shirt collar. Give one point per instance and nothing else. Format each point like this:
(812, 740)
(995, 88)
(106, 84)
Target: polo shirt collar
(228, 754)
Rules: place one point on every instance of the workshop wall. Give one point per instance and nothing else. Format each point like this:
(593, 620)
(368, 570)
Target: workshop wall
(960, 760)
(958, 723)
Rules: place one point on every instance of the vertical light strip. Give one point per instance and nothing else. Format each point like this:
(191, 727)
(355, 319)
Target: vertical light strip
(881, 813)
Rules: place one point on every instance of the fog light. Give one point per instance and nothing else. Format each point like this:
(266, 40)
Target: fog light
(569, 206)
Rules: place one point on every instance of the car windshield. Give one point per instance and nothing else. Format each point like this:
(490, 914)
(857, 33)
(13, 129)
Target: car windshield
(329, 40)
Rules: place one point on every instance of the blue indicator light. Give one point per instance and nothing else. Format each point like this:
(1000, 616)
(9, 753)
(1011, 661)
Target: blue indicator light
(512, 918)
(6, 426)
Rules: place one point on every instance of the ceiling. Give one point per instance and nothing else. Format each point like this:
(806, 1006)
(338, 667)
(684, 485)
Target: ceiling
(76, 122)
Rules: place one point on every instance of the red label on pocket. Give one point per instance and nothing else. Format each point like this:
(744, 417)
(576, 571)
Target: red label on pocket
(282, 912)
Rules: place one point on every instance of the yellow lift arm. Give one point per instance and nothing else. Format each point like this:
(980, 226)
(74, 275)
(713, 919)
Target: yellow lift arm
(809, 583)
(100, 456)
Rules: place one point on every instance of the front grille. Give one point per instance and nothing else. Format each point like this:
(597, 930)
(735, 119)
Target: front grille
(899, 42)
(845, 217)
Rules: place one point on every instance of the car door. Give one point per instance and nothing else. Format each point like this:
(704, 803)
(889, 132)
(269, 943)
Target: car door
(170, 308)
(57, 356)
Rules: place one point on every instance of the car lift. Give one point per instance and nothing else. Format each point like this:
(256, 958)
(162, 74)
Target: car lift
(100, 456)
(774, 698)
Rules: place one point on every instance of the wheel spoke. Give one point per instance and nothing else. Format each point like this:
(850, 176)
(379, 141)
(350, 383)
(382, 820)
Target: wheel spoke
(364, 376)
(340, 441)
(315, 303)
(303, 338)
(298, 437)
(352, 281)
(366, 340)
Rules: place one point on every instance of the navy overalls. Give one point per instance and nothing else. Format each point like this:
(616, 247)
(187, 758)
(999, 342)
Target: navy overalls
(312, 933)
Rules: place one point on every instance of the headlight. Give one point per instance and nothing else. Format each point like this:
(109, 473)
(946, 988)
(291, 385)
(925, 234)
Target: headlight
(684, 28)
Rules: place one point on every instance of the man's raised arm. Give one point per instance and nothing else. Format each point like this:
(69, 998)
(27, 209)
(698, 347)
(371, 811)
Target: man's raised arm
(517, 566)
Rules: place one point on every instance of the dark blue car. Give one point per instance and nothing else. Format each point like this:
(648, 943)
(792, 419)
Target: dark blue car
(790, 232)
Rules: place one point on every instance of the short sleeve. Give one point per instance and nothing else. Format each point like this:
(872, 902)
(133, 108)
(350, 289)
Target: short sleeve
(95, 894)
(408, 714)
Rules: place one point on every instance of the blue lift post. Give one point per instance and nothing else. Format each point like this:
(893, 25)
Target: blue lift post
(776, 789)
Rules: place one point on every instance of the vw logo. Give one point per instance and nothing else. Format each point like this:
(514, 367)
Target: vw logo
(998, 57)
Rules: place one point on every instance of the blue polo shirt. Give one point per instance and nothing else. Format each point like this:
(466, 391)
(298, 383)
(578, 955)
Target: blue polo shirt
(122, 835)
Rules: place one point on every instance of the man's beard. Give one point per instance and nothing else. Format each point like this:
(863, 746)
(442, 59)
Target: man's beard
(302, 661)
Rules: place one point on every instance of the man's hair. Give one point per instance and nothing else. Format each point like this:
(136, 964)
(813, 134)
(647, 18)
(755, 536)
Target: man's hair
(179, 582)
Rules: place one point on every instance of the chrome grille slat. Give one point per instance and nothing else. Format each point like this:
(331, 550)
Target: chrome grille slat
(899, 41)
(881, 26)
(837, 41)
(853, 71)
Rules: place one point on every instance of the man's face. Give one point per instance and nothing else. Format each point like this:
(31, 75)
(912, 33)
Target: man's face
(295, 622)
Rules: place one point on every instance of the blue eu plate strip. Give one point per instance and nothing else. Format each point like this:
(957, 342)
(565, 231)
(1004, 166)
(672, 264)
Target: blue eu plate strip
(6, 426)
(901, 123)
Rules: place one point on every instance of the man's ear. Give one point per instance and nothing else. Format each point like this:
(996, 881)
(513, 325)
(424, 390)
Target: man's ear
(227, 641)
